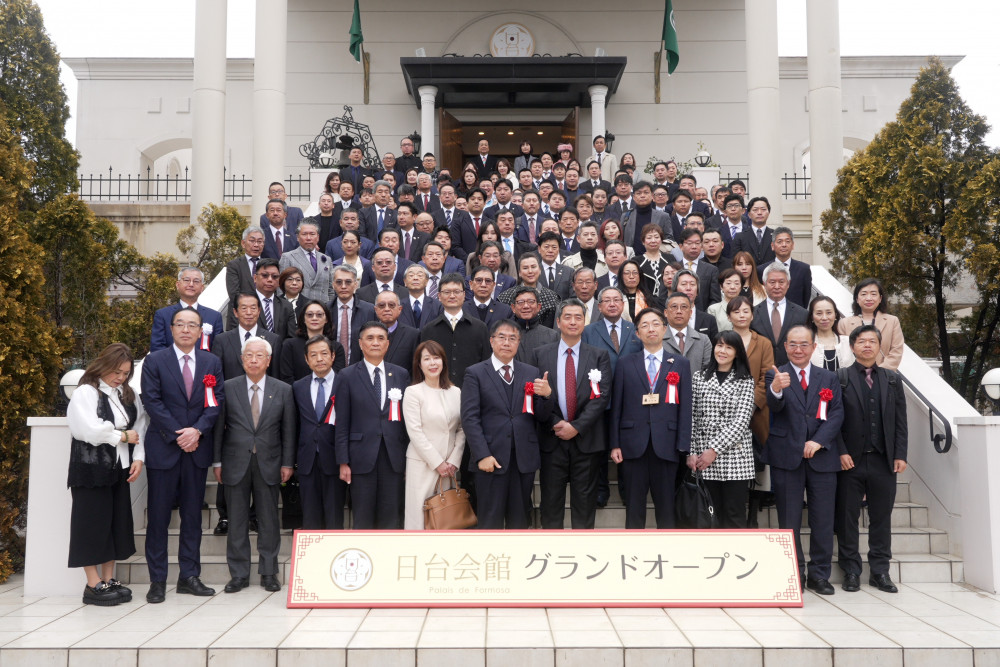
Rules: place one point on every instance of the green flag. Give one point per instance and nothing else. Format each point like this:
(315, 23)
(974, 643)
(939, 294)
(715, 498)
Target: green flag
(357, 39)
(669, 36)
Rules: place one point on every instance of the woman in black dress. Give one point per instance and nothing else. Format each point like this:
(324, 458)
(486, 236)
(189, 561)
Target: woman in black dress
(316, 321)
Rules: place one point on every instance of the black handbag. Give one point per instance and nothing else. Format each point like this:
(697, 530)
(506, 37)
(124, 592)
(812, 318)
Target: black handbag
(693, 503)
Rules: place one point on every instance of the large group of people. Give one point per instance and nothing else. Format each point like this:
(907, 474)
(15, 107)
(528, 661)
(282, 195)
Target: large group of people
(539, 315)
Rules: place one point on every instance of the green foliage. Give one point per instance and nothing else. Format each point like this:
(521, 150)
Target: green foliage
(30, 349)
(894, 211)
(215, 240)
(35, 102)
(130, 318)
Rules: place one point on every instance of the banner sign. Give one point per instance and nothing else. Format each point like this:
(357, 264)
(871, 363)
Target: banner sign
(544, 568)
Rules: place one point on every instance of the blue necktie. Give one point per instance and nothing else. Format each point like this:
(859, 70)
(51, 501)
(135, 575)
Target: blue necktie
(320, 399)
(506, 245)
(651, 371)
(381, 218)
(268, 318)
(447, 217)
(416, 313)
(378, 386)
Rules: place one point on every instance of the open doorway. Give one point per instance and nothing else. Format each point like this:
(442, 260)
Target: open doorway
(460, 141)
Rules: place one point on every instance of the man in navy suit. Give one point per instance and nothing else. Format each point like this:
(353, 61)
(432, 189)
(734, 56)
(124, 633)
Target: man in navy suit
(733, 224)
(503, 193)
(378, 216)
(349, 312)
(190, 284)
(371, 439)
(355, 172)
(279, 231)
(276, 190)
(756, 237)
(403, 339)
(323, 492)
(459, 221)
(799, 273)
(499, 431)
(349, 222)
(650, 422)
(179, 449)
(804, 449)
(774, 317)
(483, 304)
(418, 309)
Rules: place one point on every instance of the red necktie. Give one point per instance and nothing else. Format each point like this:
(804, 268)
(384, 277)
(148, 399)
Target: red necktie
(477, 226)
(427, 202)
(277, 242)
(802, 381)
(570, 386)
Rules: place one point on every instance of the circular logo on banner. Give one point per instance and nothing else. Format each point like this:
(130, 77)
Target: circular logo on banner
(351, 569)
(512, 40)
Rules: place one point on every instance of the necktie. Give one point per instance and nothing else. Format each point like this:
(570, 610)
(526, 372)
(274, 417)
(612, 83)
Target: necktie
(776, 323)
(538, 184)
(483, 310)
(254, 260)
(651, 371)
(507, 377)
(570, 387)
(476, 220)
(188, 376)
(614, 337)
(312, 260)
(594, 183)
(733, 231)
(552, 277)
(569, 245)
(268, 317)
(600, 158)
(760, 235)
(255, 404)
(433, 290)
(531, 229)
(447, 217)
(680, 341)
(277, 242)
(345, 332)
(406, 245)
(506, 246)
(381, 218)
(427, 202)
(689, 266)
(613, 279)
(378, 387)
(416, 313)
(454, 322)
(868, 378)
(247, 336)
(385, 287)
(320, 399)
(802, 380)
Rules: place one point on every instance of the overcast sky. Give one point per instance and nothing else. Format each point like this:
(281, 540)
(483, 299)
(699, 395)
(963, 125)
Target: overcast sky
(131, 28)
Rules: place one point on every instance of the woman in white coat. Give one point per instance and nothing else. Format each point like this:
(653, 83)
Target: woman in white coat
(432, 414)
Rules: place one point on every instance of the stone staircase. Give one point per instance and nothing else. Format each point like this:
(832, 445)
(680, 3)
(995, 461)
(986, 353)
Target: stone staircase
(920, 553)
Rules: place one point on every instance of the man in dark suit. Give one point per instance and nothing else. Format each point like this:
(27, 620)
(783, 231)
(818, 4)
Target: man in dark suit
(277, 315)
(349, 312)
(465, 339)
(418, 309)
(276, 190)
(323, 492)
(483, 305)
(279, 232)
(426, 198)
(459, 221)
(384, 269)
(757, 238)
(354, 173)
(500, 434)
(709, 291)
(775, 316)
(179, 449)
(555, 275)
(507, 240)
(190, 284)
(873, 435)
(624, 204)
(804, 450)
(799, 273)
(644, 401)
(491, 256)
(228, 347)
(411, 245)
(371, 438)
(594, 178)
(732, 225)
(503, 193)
(687, 283)
(528, 224)
(569, 223)
(373, 219)
(239, 272)
(403, 339)
(254, 450)
(484, 163)
(349, 222)
(572, 441)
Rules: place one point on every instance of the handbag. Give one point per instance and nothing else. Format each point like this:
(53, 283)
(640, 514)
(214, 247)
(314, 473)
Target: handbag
(693, 504)
(449, 509)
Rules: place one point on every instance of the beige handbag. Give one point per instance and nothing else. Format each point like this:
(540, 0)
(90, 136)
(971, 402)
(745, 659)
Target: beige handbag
(448, 509)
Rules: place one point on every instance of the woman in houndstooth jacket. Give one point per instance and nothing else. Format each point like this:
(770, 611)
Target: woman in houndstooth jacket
(720, 440)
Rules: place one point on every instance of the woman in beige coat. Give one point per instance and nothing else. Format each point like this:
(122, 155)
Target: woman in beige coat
(869, 308)
(432, 414)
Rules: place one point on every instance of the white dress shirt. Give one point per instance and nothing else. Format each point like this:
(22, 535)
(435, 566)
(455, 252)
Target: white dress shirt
(85, 425)
(371, 376)
(561, 370)
(327, 386)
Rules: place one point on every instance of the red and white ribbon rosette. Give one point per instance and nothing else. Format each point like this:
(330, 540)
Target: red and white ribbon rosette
(825, 396)
(529, 392)
(209, 381)
(206, 331)
(673, 395)
(331, 414)
(395, 396)
(595, 387)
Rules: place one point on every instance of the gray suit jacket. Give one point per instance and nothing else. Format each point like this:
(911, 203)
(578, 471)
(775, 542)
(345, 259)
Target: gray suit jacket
(273, 437)
(697, 348)
(317, 284)
(630, 233)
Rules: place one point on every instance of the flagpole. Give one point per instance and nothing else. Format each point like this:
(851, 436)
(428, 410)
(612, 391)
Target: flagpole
(657, 59)
(367, 64)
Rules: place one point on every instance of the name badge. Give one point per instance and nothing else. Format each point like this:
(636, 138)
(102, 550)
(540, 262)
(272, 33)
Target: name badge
(650, 399)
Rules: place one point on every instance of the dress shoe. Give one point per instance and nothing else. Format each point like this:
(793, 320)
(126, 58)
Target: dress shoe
(883, 583)
(269, 582)
(123, 590)
(821, 586)
(222, 528)
(102, 595)
(193, 586)
(237, 584)
(157, 592)
(253, 525)
(602, 499)
(852, 584)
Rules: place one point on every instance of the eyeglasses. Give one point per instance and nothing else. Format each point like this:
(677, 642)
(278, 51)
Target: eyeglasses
(186, 326)
(191, 281)
(451, 292)
(343, 283)
(798, 346)
(386, 306)
(256, 356)
(483, 281)
(612, 300)
(526, 302)
(316, 315)
(506, 339)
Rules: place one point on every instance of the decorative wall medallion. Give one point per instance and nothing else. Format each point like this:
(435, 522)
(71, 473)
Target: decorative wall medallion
(512, 40)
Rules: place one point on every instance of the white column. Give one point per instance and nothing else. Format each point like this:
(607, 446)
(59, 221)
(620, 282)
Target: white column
(208, 133)
(826, 131)
(598, 121)
(979, 468)
(269, 136)
(763, 103)
(428, 94)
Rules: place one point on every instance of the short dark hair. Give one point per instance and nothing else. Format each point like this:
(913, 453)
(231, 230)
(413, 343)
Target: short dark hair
(646, 311)
(373, 324)
(731, 198)
(640, 185)
(688, 232)
(738, 182)
(623, 178)
(188, 309)
(474, 191)
(547, 236)
(265, 262)
(318, 338)
(757, 199)
(432, 244)
(682, 193)
(451, 278)
(407, 205)
(504, 324)
(863, 329)
(389, 230)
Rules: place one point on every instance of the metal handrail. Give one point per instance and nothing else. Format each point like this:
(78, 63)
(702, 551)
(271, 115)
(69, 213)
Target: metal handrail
(936, 438)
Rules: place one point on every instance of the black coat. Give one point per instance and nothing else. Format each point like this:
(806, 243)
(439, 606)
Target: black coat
(468, 344)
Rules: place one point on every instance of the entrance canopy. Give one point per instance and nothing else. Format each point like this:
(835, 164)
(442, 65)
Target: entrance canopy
(539, 82)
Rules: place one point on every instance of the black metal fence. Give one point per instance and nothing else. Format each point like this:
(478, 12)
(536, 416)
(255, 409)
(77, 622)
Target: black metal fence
(177, 188)
(795, 186)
